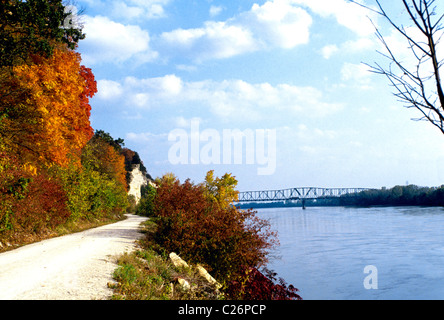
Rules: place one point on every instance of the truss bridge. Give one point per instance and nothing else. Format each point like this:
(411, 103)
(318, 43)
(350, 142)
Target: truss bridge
(292, 194)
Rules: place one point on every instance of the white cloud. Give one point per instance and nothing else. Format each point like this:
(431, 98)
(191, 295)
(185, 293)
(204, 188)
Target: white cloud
(111, 42)
(279, 23)
(188, 68)
(308, 134)
(351, 46)
(214, 40)
(311, 141)
(351, 16)
(139, 99)
(228, 99)
(358, 74)
(171, 84)
(215, 10)
(329, 50)
(168, 86)
(121, 10)
(361, 44)
(151, 9)
(131, 116)
(355, 18)
(274, 24)
(130, 10)
(108, 89)
(183, 122)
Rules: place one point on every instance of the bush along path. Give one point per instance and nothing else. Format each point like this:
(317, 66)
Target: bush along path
(145, 274)
(198, 222)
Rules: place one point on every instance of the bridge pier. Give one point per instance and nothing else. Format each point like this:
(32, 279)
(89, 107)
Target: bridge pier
(303, 204)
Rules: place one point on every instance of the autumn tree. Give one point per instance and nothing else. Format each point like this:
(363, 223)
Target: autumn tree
(42, 85)
(416, 78)
(262, 286)
(223, 238)
(30, 202)
(103, 153)
(48, 121)
(52, 167)
(117, 144)
(97, 188)
(221, 190)
(18, 117)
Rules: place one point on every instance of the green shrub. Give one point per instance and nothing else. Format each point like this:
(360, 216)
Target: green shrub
(92, 194)
(131, 204)
(145, 206)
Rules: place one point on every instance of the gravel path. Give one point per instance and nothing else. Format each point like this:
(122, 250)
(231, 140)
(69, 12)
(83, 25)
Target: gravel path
(73, 267)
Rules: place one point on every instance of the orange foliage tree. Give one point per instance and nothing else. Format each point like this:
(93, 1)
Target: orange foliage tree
(51, 168)
(105, 155)
(57, 92)
(114, 163)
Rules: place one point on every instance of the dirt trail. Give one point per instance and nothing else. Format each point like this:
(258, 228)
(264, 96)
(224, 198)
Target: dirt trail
(73, 267)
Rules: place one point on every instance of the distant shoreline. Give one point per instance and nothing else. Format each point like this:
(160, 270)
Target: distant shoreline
(299, 205)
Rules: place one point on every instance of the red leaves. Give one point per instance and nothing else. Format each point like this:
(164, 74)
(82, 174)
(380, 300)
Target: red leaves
(222, 238)
(44, 130)
(29, 202)
(90, 88)
(44, 205)
(255, 285)
(60, 89)
(194, 221)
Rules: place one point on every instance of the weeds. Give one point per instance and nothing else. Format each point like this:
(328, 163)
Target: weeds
(148, 275)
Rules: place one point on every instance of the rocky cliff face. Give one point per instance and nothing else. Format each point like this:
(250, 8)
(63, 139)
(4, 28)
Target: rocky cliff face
(138, 179)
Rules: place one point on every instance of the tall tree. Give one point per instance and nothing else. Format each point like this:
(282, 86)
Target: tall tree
(50, 120)
(44, 91)
(418, 84)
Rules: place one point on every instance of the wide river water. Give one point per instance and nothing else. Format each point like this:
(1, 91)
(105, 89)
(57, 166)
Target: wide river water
(324, 251)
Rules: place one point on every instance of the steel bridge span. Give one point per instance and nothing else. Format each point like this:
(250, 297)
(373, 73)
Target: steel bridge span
(301, 193)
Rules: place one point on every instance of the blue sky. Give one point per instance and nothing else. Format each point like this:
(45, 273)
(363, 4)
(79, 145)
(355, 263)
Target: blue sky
(292, 66)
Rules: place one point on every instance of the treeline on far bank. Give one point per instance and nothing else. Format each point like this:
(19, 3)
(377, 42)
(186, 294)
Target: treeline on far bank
(409, 195)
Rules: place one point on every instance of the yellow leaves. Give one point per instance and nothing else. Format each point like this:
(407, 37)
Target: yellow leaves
(116, 161)
(30, 168)
(57, 86)
(221, 190)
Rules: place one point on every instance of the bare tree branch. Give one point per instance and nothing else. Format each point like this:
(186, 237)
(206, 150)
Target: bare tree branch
(412, 84)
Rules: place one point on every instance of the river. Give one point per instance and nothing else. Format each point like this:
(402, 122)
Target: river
(324, 252)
